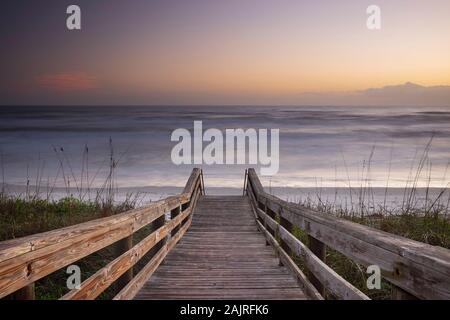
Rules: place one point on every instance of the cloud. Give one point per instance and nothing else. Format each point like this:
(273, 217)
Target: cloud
(67, 82)
(407, 94)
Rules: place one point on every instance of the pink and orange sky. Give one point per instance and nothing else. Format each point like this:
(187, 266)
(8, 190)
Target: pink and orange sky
(219, 52)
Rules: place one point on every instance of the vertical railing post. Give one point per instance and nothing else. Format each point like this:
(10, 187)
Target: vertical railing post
(26, 293)
(245, 183)
(288, 226)
(202, 182)
(273, 215)
(186, 205)
(158, 223)
(265, 223)
(319, 249)
(400, 294)
(121, 247)
(173, 214)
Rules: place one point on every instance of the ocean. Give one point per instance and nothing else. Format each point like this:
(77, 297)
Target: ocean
(322, 149)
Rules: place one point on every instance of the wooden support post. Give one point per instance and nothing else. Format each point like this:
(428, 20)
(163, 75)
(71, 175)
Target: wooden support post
(26, 293)
(265, 223)
(123, 246)
(202, 185)
(184, 207)
(400, 294)
(289, 227)
(319, 249)
(175, 212)
(244, 191)
(158, 223)
(273, 215)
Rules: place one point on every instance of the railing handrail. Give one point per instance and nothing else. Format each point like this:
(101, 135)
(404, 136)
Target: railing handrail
(28, 259)
(420, 269)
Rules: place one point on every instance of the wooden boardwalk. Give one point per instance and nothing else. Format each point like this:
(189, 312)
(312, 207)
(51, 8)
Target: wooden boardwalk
(222, 256)
(216, 247)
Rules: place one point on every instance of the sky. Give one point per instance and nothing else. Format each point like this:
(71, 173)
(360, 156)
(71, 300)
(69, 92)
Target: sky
(225, 52)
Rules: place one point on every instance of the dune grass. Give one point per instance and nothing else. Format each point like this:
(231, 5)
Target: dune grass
(434, 230)
(428, 223)
(21, 217)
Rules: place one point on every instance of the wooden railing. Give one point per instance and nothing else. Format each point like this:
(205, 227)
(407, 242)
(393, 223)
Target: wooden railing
(26, 260)
(415, 269)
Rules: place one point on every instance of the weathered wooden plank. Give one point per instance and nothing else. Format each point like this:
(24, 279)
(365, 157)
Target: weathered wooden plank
(318, 248)
(308, 288)
(129, 291)
(136, 284)
(225, 294)
(103, 278)
(212, 273)
(285, 259)
(16, 274)
(193, 181)
(334, 283)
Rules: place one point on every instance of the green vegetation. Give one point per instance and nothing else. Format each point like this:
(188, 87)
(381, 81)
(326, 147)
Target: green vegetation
(431, 229)
(20, 217)
(434, 230)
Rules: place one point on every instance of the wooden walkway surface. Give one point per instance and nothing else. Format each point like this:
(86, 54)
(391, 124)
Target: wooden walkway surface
(222, 256)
